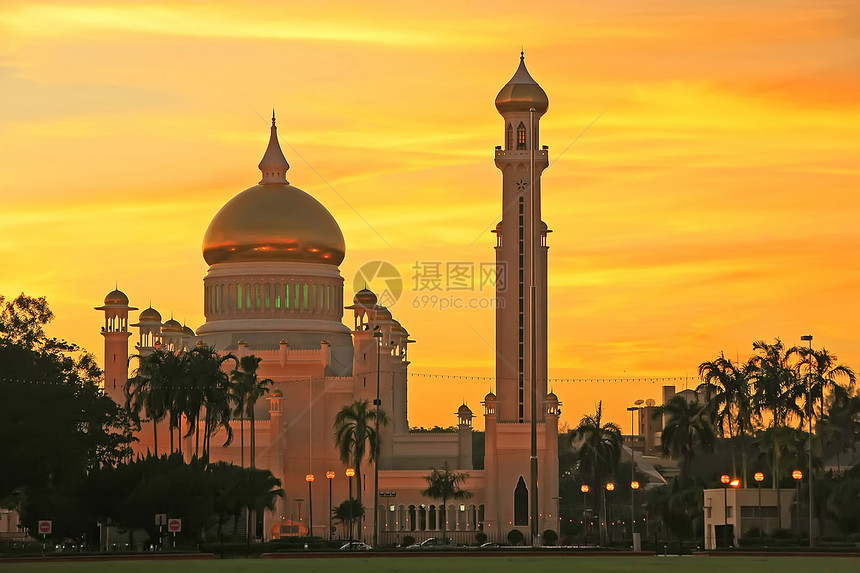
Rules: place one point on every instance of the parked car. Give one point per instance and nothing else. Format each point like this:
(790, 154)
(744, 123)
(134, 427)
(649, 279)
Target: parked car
(433, 543)
(356, 546)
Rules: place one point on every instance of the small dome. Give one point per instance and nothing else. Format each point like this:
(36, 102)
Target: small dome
(276, 393)
(171, 326)
(187, 331)
(464, 409)
(551, 397)
(116, 297)
(522, 93)
(382, 313)
(150, 315)
(398, 329)
(490, 397)
(365, 297)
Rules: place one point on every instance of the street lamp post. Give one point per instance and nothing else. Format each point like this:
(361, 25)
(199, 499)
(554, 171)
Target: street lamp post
(310, 479)
(378, 338)
(636, 543)
(349, 473)
(809, 411)
(759, 477)
(725, 479)
(584, 489)
(797, 475)
(610, 487)
(330, 476)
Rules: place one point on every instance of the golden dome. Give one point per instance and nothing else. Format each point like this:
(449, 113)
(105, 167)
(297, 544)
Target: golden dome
(365, 297)
(150, 315)
(277, 393)
(490, 397)
(551, 397)
(116, 297)
(464, 409)
(273, 222)
(522, 93)
(171, 326)
(187, 331)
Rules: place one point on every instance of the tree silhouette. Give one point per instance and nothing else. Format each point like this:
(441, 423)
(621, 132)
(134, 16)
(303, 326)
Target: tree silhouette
(445, 484)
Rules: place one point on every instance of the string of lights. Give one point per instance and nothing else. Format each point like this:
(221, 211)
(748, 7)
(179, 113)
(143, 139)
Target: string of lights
(652, 379)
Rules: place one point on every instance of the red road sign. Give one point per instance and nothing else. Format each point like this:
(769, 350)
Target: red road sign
(45, 527)
(174, 525)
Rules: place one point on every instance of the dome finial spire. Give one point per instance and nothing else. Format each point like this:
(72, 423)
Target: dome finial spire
(274, 165)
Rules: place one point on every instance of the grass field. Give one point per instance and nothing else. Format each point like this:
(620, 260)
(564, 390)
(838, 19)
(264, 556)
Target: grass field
(507, 564)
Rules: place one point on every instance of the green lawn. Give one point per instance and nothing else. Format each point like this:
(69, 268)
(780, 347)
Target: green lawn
(508, 564)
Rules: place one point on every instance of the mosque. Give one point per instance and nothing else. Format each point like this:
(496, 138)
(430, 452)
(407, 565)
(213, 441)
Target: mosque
(274, 290)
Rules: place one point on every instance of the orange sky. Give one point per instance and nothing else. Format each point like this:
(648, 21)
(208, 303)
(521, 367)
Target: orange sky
(712, 202)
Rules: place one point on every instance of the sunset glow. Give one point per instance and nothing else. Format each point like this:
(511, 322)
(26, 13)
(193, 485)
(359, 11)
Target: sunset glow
(702, 189)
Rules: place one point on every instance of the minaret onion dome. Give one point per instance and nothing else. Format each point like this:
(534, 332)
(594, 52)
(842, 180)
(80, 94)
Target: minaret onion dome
(522, 93)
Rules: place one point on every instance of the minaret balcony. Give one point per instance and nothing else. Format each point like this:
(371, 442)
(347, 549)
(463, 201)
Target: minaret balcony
(521, 155)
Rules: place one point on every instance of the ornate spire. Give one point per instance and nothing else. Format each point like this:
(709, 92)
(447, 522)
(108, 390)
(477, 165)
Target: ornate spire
(274, 165)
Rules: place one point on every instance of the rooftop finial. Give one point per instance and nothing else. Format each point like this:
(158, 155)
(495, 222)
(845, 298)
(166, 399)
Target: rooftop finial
(274, 165)
(522, 52)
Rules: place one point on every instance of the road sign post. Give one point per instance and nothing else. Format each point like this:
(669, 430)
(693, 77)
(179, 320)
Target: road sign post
(174, 526)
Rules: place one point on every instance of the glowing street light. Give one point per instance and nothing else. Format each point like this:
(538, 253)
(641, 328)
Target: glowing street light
(310, 479)
(798, 475)
(759, 477)
(330, 476)
(350, 472)
(725, 479)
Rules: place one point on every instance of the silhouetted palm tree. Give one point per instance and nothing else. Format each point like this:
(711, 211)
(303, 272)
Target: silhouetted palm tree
(247, 389)
(209, 391)
(354, 430)
(688, 427)
(819, 372)
(148, 391)
(597, 446)
(443, 485)
(727, 388)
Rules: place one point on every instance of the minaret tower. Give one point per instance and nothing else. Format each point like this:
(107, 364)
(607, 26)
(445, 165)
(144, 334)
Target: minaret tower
(514, 237)
(520, 454)
(116, 336)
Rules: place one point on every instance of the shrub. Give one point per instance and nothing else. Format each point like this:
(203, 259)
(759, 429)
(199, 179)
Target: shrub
(408, 540)
(481, 537)
(515, 537)
(550, 536)
(782, 534)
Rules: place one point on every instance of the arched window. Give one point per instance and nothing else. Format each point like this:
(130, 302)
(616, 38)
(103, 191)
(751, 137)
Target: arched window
(509, 137)
(239, 297)
(410, 514)
(305, 296)
(278, 295)
(248, 296)
(268, 296)
(521, 503)
(431, 522)
(287, 295)
(521, 136)
(257, 296)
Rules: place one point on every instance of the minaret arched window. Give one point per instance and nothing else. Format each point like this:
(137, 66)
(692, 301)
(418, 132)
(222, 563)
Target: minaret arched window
(521, 136)
(509, 137)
